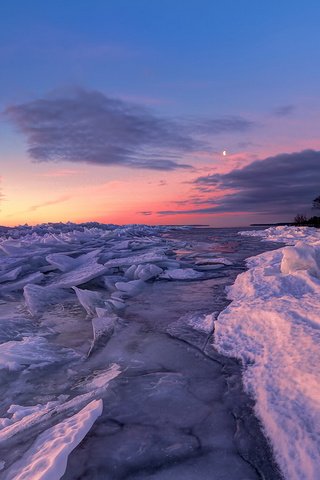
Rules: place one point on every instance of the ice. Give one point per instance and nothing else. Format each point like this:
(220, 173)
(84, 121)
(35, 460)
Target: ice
(149, 257)
(89, 300)
(117, 303)
(103, 328)
(272, 326)
(131, 288)
(31, 351)
(181, 274)
(11, 275)
(101, 379)
(21, 415)
(36, 277)
(80, 275)
(62, 262)
(48, 456)
(213, 261)
(143, 272)
(39, 299)
(19, 327)
(66, 263)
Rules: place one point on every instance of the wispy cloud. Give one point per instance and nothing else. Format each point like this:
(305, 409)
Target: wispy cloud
(61, 199)
(59, 173)
(284, 110)
(283, 184)
(87, 126)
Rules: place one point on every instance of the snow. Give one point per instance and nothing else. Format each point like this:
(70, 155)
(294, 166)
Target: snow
(272, 326)
(47, 458)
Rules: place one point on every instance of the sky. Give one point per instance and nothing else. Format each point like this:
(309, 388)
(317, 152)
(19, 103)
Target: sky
(159, 111)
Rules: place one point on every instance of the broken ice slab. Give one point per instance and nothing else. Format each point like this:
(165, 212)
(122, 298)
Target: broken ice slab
(38, 299)
(36, 277)
(143, 272)
(65, 263)
(81, 274)
(32, 352)
(181, 274)
(89, 300)
(131, 288)
(149, 257)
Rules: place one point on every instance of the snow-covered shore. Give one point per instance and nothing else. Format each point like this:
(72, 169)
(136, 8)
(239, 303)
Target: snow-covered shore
(272, 326)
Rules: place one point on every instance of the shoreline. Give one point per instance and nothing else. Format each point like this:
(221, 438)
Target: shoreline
(271, 326)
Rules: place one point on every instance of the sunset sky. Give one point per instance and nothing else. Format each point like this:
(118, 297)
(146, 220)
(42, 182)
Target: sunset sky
(119, 111)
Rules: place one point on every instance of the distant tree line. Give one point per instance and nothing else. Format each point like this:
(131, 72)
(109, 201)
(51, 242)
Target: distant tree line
(301, 219)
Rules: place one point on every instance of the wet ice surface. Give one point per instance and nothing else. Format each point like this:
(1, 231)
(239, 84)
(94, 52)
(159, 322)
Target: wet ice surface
(125, 315)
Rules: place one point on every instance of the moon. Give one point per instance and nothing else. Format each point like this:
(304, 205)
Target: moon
(224, 153)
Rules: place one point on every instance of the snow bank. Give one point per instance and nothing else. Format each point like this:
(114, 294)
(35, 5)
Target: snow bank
(47, 458)
(272, 326)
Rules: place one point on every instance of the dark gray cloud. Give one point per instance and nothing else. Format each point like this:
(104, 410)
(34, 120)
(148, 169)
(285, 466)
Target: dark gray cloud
(145, 213)
(284, 110)
(284, 184)
(88, 126)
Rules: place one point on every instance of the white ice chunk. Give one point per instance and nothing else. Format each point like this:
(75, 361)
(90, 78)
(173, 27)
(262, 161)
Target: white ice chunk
(89, 300)
(301, 257)
(103, 328)
(181, 274)
(213, 261)
(38, 299)
(66, 263)
(62, 262)
(131, 288)
(202, 323)
(117, 303)
(11, 275)
(34, 351)
(36, 277)
(149, 257)
(47, 458)
(81, 274)
(100, 379)
(130, 272)
(147, 272)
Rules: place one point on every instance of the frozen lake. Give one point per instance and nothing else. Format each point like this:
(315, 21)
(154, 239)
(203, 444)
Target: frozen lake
(137, 332)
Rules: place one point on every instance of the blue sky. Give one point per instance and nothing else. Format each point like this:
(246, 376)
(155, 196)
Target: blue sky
(181, 59)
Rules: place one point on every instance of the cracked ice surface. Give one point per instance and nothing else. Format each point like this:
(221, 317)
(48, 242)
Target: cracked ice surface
(106, 339)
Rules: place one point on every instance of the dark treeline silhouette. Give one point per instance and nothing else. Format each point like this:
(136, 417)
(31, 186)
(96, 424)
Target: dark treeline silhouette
(301, 219)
